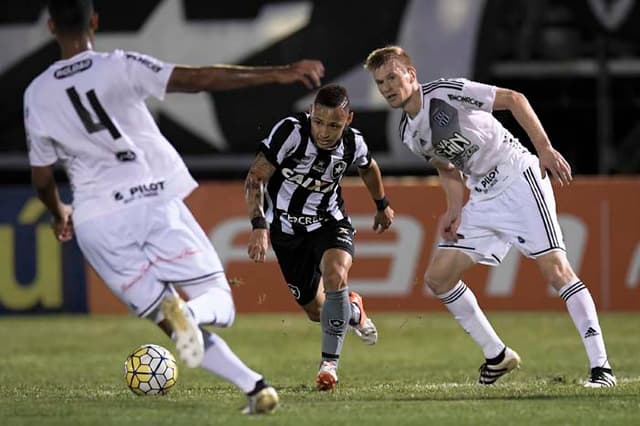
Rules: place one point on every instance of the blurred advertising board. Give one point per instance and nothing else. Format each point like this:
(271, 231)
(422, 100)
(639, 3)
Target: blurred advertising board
(599, 217)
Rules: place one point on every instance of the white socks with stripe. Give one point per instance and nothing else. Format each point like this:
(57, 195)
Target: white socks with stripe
(221, 361)
(462, 303)
(214, 307)
(583, 313)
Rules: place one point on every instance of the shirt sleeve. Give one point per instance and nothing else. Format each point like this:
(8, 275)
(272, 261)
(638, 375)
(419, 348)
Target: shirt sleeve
(148, 76)
(41, 148)
(282, 141)
(476, 95)
(362, 156)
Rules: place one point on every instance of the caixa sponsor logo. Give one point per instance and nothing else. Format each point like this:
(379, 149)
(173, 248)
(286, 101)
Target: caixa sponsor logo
(151, 189)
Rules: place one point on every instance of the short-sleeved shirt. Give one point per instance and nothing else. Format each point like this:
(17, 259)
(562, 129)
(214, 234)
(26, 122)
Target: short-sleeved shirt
(456, 125)
(304, 192)
(89, 112)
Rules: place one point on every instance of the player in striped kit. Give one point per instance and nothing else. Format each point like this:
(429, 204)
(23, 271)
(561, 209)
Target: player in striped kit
(511, 202)
(88, 111)
(298, 171)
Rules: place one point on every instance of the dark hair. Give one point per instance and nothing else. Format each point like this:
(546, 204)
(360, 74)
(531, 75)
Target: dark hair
(71, 16)
(333, 96)
(381, 56)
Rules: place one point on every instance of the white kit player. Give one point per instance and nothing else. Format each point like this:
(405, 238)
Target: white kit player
(450, 123)
(88, 111)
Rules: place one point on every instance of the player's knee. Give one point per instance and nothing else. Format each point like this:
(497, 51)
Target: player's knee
(335, 279)
(438, 283)
(229, 315)
(224, 309)
(229, 318)
(558, 274)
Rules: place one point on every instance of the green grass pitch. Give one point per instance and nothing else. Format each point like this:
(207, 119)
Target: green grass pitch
(67, 370)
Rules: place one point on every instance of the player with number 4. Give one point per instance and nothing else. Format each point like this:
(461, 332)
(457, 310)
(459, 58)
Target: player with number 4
(88, 111)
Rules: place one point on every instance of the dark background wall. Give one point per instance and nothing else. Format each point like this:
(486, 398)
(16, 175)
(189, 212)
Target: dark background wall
(577, 62)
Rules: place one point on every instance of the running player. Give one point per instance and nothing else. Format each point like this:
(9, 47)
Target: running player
(298, 171)
(88, 111)
(449, 122)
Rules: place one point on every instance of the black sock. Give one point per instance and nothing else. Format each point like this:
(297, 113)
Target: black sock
(260, 384)
(498, 359)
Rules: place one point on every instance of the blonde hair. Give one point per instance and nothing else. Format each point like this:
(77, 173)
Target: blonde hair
(381, 56)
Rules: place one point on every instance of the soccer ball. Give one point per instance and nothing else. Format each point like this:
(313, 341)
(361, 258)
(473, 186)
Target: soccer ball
(150, 370)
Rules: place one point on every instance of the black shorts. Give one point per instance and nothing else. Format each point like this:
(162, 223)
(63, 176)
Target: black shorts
(299, 256)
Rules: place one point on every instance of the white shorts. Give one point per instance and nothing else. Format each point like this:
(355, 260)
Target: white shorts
(523, 215)
(143, 251)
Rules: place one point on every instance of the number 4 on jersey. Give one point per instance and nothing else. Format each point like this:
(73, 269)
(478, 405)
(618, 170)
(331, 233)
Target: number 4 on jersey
(104, 122)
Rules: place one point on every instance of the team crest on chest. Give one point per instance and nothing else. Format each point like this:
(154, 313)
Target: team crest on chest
(338, 169)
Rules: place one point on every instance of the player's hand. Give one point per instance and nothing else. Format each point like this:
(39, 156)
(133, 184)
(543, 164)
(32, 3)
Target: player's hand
(448, 226)
(258, 245)
(383, 220)
(552, 160)
(308, 71)
(63, 226)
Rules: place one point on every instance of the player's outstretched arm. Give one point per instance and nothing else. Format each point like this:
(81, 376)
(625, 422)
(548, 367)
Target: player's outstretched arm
(227, 77)
(254, 190)
(372, 178)
(550, 159)
(45, 185)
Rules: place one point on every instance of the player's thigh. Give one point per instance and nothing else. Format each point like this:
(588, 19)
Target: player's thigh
(178, 248)
(478, 236)
(533, 224)
(110, 244)
(298, 265)
(334, 246)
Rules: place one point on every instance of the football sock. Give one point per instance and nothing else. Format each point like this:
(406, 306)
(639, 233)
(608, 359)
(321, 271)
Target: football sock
(355, 314)
(462, 303)
(334, 318)
(497, 360)
(221, 361)
(260, 384)
(583, 313)
(214, 307)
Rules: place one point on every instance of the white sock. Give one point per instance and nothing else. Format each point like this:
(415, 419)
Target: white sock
(583, 313)
(462, 303)
(214, 307)
(221, 361)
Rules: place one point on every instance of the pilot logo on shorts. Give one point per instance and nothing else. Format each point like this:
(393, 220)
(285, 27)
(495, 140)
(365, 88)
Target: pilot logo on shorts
(294, 290)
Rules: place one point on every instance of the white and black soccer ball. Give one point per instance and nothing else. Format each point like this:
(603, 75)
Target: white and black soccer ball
(150, 370)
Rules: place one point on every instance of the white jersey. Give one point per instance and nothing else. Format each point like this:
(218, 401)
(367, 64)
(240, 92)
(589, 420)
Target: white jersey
(456, 125)
(89, 112)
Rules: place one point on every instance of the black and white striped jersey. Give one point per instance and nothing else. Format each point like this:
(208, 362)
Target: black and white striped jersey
(456, 125)
(305, 192)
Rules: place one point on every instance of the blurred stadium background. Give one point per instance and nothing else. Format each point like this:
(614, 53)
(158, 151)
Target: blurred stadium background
(578, 62)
